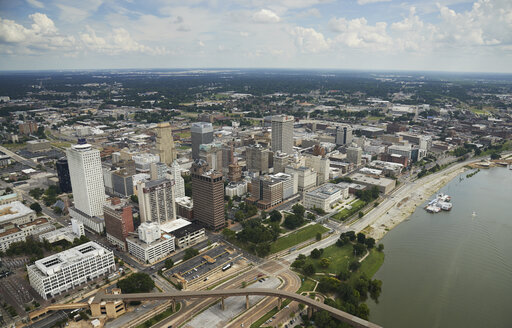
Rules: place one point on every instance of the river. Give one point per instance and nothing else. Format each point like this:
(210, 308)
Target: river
(452, 269)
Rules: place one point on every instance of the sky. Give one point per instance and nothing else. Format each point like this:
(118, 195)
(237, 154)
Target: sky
(442, 35)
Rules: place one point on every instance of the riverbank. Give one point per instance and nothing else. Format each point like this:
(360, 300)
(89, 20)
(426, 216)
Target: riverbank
(404, 202)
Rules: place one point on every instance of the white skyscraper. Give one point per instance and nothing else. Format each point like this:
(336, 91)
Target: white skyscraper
(282, 134)
(156, 201)
(179, 183)
(86, 179)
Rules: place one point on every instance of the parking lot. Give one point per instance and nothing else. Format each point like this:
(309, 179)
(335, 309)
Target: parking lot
(198, 266)
(17, 292)
(15, 263)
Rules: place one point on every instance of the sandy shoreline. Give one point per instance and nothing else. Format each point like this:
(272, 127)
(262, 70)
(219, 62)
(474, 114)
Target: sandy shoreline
(397, 209)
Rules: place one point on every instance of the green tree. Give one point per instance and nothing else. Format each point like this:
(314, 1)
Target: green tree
(275, 216)
(325, 262)
(360, 214)
(316, 253)
(138, 282)
(359, 249)
(298, 210)
(36, 207)
(311, 217)
(354, 266)
(318, 236)
(361, 238)
(380, 248)
(169, 263)
(190, 253)
(309, 270)
(134, 199)
(370, 242)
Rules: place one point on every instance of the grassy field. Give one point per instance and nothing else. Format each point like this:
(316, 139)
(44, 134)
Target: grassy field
(372, 263)
(346, 213)
(340, 258)
(307, 285)
(14, 146)
(297, 237)
(61, 145)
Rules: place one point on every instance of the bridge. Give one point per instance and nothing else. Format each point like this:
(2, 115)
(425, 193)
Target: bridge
(222, 294)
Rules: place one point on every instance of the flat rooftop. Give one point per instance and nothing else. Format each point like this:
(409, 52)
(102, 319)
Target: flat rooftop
(325, 191)
(55, 263)
(174, 225)
(14, 210)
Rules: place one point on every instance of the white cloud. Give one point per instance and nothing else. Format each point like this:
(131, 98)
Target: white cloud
(309, 40)
(76, 11)
(35, 3)
(265, 16)
(118, 42)
(357, 33)
(364, 2)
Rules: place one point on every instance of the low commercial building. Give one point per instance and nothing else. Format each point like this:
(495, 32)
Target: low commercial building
(9, 198)
(59, 273)
(324, 196)
(16, 213)
(94, 223)
(38, 145)
(150, 245)
(384, 185)
(75, 230)
(236, 189)
(185, 232)
(185, 207)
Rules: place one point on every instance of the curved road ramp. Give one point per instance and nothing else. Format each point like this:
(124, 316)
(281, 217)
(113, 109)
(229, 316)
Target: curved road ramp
(183, 295)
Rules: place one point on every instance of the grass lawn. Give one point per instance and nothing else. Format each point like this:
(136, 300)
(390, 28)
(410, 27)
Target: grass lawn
(184, 134)
(297, 237)
(372, 263)
(14, 146)
(340, 258)
(346, 213)
(61, 145)
(307, 285)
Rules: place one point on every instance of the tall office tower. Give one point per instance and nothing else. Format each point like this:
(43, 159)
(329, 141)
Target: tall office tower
(118, 222)
(86, 178)
(321, 165)
(208, 195)
(165, 143)
(282, 133)
(234, 172)
(63, 174)
(179, 183)
(158, 170)
(201, 133)
(281, 160)
(156, 201)
(343, 135)
(122, 183)
(257, 158)
(354, 155)
(212, 153)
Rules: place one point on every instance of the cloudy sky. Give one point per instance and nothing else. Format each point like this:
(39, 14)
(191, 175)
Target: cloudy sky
(454, 35)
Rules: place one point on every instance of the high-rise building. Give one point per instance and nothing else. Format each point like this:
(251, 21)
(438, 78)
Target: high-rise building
(86, 178)
(165, 143)
(156, 201)
(281, 160)
(257, 158)
(179, 182)
(118, 222)
(158, 170)
(354, 155)
(234, 172)
(208, 195)
(282, 133)
(63, 174)
(122, 183)
(212, 153)
(201, 133)
(343, 135)
(321, 165)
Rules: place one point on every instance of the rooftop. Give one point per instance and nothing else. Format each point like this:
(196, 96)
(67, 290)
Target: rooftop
(55, 263)
(174, 225)
(325, 191)
(13, 211)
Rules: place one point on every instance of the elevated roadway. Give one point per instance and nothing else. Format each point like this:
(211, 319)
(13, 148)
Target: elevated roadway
(223, 293)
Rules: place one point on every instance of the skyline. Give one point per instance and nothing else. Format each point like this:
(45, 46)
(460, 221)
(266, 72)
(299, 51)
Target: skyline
(455, 36)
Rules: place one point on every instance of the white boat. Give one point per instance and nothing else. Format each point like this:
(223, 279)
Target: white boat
(474, 213)
(444, 198)
(432, 209)
(445, 206)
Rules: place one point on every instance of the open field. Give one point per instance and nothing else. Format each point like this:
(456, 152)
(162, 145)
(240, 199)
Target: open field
(346, 213)
(297, 237)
